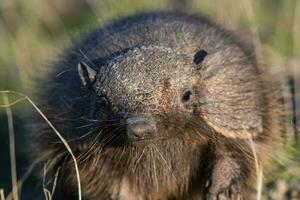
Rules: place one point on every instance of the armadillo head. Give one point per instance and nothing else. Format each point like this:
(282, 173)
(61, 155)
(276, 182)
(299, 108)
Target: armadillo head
(151, 85)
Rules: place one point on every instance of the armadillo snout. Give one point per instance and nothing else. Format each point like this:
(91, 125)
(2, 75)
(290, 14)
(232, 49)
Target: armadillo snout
(140, 128)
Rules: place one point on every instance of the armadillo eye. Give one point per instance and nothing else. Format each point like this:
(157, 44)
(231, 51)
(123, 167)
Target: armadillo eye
(186, 96)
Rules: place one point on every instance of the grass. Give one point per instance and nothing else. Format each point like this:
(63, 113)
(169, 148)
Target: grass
(32, 31)
(2, 197)
(12, 148)
(7, 105)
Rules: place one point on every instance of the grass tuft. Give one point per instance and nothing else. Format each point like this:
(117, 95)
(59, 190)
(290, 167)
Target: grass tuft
(24, 97)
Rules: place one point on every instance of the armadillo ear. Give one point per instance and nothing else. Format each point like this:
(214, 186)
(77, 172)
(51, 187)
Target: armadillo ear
(86, 74)
(232, 97)
(237, 132)
(232, 118)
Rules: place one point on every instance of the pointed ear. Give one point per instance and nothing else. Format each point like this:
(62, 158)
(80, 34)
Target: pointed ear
(86, 74)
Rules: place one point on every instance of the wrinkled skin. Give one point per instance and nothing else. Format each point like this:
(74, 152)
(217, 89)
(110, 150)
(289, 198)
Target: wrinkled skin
(189, 93)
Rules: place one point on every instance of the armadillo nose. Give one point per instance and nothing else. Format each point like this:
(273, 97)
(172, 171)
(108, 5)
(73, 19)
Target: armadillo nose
(140, 128)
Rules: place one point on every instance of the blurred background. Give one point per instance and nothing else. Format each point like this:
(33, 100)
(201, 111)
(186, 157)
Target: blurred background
(32, 31)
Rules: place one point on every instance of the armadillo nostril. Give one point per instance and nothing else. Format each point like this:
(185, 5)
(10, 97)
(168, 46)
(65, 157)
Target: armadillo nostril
(140, 128)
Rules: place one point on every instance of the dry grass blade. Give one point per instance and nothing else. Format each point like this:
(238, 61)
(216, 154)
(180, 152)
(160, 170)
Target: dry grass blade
(2, 194)
(258, 169)
(47, 193)
(12, 103)
(5, 92)
(295, 64)
(55, 181)
(254, 30)
(22, 180)
(12, 149)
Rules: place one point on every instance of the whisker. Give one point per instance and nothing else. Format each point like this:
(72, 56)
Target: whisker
(85, 126)
(88, 59)
(154, 166)
(91, 147)
(138, 160)
(83, 136)
(121, 155)
(108, 139)
(165, 161)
